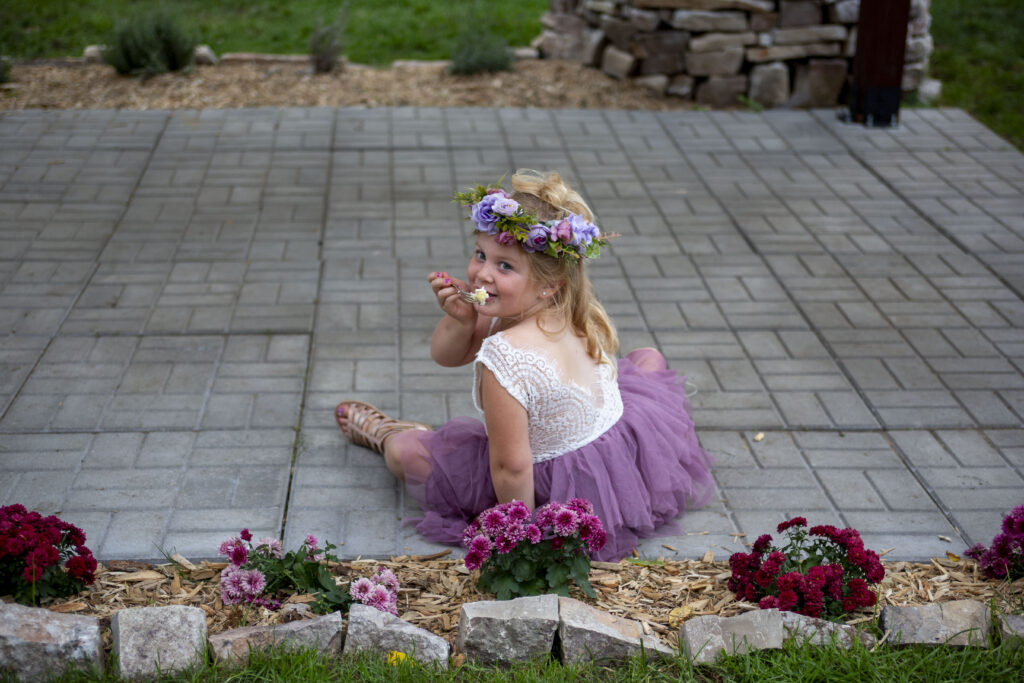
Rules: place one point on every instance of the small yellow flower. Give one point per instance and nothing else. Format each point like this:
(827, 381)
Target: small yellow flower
(394, 657)
(480, 295)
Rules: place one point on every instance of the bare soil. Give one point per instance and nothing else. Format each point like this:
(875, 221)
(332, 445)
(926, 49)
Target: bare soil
(549, 84)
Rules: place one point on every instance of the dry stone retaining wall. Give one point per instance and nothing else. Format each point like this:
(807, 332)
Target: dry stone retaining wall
(35, 642)
(796, 53)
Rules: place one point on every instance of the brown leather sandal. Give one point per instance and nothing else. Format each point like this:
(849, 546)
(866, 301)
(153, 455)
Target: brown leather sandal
(370, 428)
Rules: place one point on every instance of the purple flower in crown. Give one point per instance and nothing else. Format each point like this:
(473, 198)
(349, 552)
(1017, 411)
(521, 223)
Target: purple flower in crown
(505, 238)
(505, 206)
(537, 240)
(483, 213)
(561, 232)
(583, 231)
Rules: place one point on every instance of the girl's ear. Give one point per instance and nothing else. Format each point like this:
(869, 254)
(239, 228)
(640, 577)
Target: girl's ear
(551, 288)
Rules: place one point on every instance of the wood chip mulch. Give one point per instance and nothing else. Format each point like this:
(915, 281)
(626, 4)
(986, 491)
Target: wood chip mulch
(659, 594)
(548, 84)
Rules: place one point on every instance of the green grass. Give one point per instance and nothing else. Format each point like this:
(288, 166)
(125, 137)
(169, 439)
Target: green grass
(794, 663)
(378, 31)
(979, 57)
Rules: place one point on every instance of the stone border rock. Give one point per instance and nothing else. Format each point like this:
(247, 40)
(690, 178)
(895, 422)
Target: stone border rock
(35, 642)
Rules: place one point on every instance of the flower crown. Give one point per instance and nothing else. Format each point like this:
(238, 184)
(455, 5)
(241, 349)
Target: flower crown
(495, 213)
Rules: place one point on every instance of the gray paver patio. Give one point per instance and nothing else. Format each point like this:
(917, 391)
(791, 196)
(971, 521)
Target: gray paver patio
(185, 296)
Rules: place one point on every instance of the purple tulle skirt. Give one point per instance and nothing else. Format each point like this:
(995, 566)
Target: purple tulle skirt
(640, 475)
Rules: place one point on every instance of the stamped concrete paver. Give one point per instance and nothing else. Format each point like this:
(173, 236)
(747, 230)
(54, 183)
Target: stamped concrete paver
(185, 296)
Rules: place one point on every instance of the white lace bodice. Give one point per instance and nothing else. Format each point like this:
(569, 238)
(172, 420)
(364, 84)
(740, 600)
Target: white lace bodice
(563, 416)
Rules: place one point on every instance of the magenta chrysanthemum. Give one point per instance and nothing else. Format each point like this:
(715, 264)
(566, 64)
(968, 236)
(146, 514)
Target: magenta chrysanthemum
(481, 544)
(494, 522)
(566, 522)
(253, 582)
(385, 577)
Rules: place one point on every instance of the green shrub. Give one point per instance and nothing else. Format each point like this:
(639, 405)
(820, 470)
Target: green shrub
(150, 44)
(5, 69)
(478, 46)
(325, 43)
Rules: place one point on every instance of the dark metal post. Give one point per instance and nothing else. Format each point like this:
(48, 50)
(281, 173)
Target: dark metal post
(878, 65)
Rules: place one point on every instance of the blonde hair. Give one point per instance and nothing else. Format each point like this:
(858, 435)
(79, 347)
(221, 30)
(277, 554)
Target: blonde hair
(551, 198)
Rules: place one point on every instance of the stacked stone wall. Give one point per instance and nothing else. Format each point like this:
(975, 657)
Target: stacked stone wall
(795, 53)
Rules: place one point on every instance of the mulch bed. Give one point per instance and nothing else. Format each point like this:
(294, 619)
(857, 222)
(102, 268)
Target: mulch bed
(659, 594)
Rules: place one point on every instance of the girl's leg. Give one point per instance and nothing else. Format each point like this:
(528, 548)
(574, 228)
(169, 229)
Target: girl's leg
(404, 453)
(648, 359)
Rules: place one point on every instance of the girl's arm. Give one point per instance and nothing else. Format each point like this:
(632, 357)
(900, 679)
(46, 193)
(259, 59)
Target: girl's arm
(508, 437)
(458, 334)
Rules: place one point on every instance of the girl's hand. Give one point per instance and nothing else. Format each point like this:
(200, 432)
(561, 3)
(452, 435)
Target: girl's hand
(448, 297)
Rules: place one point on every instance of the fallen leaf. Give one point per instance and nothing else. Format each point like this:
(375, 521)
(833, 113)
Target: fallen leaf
(947, 539)
(709, 556)
(759, 436)
(952, 557)
(666, 546)
(678, 615)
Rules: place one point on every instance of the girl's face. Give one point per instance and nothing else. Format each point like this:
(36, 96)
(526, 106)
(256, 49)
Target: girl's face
(504, 271)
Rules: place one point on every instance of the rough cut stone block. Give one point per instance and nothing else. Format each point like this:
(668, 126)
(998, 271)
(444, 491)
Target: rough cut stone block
(644, 20)
(704, 639)
(921, 25)
(150, 638)
(919, 49)
(769, 84)
(764, 22)
(618, 31)
(698, 20)
(784, 52)
(929, 91)
(559, 46)
(825, 81)
(93, 54)
(655, 83)
(587, 634)
(323, 634)
(1011, 630)
(563, 22)
(617, 63)
(600, 6)
(844, 12)
(913, 75)
(960, 623)
(749, 5)
(722, 91)
(376, 631)
(810, 34)
(721, 63)
(799, 13)
(36, 643)
(719, 41)
(493, 632)
(204, 55)
(681, 86)
(662, 52)
(593, 47)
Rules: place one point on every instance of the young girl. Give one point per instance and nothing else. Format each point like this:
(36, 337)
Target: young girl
(562, 418)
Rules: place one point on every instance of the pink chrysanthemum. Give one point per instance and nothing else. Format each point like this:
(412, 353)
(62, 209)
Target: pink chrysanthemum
(239, 555)
(385, 577)
(474, 560)
(494, 522)
(581, 505)
(566, 522)
(227, 546)
(518, 512)
(253, 582)
(311, 541)
(481, 544)
(503, 544)
(360, 589)
(270, 546)
(534, 534)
